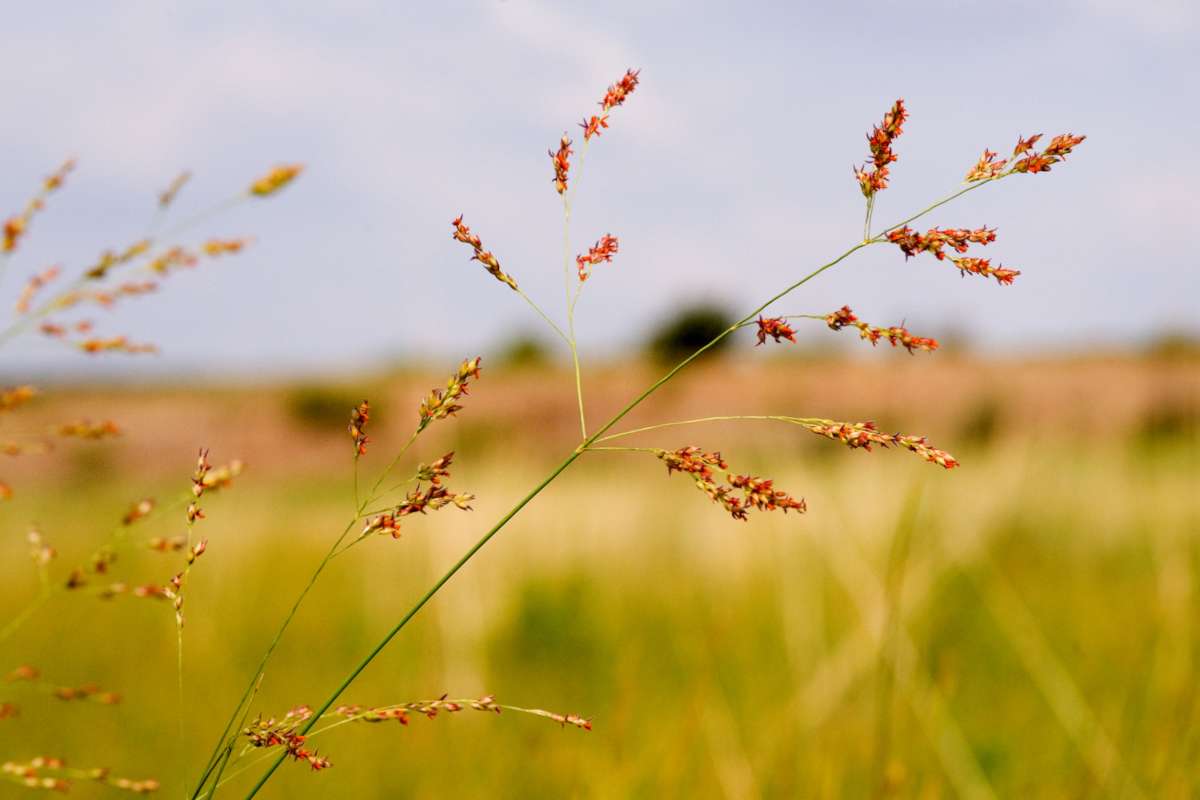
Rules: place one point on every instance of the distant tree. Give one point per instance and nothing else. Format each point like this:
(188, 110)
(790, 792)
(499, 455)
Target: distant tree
(524, 351)
(689, 329)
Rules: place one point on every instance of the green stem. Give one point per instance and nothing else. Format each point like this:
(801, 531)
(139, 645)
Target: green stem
(220, 756)
(545, 316)
(16, 622)
(572, 341)
(724, 418)
(218, 752)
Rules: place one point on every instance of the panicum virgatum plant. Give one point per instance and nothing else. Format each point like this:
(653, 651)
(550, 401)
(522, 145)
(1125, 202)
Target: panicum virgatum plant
(387, 503)
(738, 494)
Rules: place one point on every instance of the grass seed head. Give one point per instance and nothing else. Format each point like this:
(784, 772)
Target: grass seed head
(275, 180)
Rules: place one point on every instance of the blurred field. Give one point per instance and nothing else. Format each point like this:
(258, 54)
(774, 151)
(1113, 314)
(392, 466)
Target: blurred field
(1025, 626)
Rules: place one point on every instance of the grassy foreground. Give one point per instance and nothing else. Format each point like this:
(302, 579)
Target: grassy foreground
(1025, 626)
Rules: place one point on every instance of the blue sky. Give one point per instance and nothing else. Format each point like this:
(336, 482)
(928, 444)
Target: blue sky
(726, 175)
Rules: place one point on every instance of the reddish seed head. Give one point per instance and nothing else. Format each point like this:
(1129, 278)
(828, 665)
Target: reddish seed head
(1025, 145)
(936, 240)
(983, 266)
(1034, 162)
(737, 494)
(775, 327)
(463, 234)
(593, 125)
(562, 164)
(897, 336)
(619, 91)
(839, 319)
(863, 435)
(602, 251)
(986, 168)
(874, 178)
(359, 417)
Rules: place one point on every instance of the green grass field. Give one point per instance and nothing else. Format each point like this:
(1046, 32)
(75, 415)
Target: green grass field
(1025, 626)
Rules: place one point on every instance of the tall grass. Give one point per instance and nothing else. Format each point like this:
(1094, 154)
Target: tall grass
(380, 508)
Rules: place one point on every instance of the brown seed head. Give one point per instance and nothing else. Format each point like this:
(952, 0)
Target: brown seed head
(359, 417)
(775, 327)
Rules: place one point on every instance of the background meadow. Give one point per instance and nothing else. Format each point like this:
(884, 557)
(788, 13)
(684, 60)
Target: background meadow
(1022, 626)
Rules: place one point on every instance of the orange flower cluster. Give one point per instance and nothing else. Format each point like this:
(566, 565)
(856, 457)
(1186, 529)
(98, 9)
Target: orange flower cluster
(115, 344)
(442, 403)
(983, 266)
(421, 499)
(937, 240)
(285, 733)
(602, 251)
(562, 164)
(1032, 161)
(275, 180)
(739, 494)
(986, 168)
(89, 430)
(1024, 158)
(16, 226)
(359, 417)
(880, 141)
(615, 96)
(463, 234)
(775, 327)
(35, 284)
(897, 335)
(864, 434)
